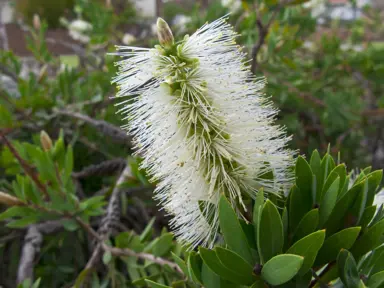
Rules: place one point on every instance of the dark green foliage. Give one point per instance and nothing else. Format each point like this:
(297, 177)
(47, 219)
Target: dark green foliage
(309, 249)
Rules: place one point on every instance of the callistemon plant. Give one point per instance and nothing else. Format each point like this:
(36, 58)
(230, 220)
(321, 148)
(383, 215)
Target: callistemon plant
(201, 123)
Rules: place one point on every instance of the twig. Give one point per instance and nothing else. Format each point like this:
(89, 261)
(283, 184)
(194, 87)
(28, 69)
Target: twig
(31, 248)
(104, 127)
(104, 168)
(27, 168)
(323, 272)
(112, 215)
(263, 31)
(145, 256)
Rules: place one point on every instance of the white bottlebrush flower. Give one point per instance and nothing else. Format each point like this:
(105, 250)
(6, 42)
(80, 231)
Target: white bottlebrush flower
(202, 125)
(232, 5)
(78, 30)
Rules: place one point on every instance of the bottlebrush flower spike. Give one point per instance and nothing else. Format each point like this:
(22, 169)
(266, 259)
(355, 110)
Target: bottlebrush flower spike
(202, 125)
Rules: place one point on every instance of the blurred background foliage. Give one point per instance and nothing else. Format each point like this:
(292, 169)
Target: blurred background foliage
(324, 73)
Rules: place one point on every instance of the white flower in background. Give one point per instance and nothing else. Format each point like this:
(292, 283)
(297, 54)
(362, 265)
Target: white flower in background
(202, 125)
(379, 198)
(180, 21)
(128, 39)
(232, 5)
(78, 30)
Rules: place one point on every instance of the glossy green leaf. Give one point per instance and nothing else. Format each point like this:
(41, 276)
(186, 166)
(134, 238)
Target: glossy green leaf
(194, 267)
(315, 163)
(281, 268)
(369, 240)
(339, 213)
(367, 217)
(308, 247)
(234, 262)
(347, 269)
(328, 201)
(376, 280)
(307, 225)
(232, 231)
(259, 202)
(285, 220)
(332, 245)
(259, 284)
(338, 172)
(212, 261)
(270, 232)
(209, 278)
(374, 180)
(357, 210)
(301, 200)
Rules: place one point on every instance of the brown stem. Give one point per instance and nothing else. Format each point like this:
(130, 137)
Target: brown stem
(26, 167)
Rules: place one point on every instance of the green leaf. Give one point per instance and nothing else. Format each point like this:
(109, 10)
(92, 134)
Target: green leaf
(70, 224)
(37, 283)
(146, 234)
(81, 277)
(194, 267)
(232, 232)
(376, 280)
(209, 278)
(347, 269)
(259, 202)
(281, 268)
(156, 285)
(335, 220)
(249, 231)
(374, 180)
(307, 225)
(285, 220)
(270, 233)
(308, 247)
(6, 118)
(180, 262)
(369, 240)
(107, 257)
(328, 202)
(358, 207)
(234, 262)
(315, 164)
(341, 240)
(304, 182)
(68, 166)
(23, 222)
(16, 211)
(259, 284)
(162, 245)
(368, 214)
(212, 261)
(338, 172)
